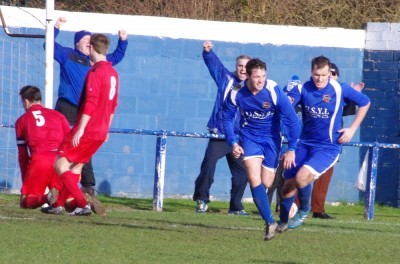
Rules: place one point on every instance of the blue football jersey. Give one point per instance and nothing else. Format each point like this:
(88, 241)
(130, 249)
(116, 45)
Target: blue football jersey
(260, 114)
(322, 110)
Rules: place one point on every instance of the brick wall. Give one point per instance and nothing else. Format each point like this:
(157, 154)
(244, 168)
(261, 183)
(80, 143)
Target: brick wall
(382, 78)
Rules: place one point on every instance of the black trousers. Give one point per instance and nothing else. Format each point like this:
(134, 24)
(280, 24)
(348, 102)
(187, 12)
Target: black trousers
(70, 111)
(277, 186)
(217, 149)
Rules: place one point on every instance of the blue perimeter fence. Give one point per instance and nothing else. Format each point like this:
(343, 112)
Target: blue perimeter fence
(161, 152)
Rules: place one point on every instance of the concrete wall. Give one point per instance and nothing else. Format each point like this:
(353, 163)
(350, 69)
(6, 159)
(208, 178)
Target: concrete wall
(165, 85)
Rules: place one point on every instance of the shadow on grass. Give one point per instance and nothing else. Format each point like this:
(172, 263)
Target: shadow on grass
(273, 261)
(139, 204)
(357, 226)
(169, 205)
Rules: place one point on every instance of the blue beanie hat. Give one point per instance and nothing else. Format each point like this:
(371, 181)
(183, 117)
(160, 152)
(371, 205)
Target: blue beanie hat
(80, 34)
(295, 78)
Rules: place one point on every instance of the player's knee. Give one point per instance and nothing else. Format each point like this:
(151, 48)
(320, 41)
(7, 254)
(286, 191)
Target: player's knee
(60, 166)
(303, 179)
(77, 168)
(254, 181)
(267, 183)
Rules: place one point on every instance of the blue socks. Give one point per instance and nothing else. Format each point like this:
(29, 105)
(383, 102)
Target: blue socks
(260, 198)
(286, 204)
(304, 195)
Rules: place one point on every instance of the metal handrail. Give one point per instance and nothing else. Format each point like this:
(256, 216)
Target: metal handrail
(161, 144)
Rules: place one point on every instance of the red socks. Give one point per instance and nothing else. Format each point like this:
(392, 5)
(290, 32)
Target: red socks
(63, 195)
(71, 181)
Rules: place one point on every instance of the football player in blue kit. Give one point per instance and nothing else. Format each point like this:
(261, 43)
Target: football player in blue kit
(263, 106)
(322, 100)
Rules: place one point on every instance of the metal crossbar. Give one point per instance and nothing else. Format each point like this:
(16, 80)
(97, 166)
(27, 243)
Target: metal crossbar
(17, 35)
(161, 152)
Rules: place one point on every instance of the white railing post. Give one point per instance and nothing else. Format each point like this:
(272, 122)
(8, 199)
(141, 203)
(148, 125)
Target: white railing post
(158, 191)
(48, 98)
(369, 204)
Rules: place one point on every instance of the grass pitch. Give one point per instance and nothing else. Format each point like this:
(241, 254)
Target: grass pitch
(133, 233)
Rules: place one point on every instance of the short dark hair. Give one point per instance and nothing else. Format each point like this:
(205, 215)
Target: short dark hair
(31, 93)
(320, 62)
(255, 63)
(100, 43)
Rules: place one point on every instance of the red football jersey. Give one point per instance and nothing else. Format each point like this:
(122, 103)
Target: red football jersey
(40, 130)
(98, 100)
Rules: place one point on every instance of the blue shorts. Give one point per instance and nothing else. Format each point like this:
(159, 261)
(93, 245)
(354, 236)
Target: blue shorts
(268, 150)
(315, 159)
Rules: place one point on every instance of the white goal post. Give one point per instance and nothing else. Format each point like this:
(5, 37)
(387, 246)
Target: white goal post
(49, 39)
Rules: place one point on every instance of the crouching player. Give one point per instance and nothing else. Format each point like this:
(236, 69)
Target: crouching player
(39, 133)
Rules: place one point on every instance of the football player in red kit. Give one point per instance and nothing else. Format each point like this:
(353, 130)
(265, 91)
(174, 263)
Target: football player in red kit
(39, 133)
(97, 106)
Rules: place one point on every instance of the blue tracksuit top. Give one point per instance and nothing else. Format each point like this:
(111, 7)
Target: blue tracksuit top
(74, 66)
(225, 81)
(322, 111)
(261, 114)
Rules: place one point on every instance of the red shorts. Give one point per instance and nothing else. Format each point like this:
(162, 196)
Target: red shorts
(81, 153)
(41, 174)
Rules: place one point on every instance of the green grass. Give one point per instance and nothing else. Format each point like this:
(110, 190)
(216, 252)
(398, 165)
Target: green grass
(133, 233)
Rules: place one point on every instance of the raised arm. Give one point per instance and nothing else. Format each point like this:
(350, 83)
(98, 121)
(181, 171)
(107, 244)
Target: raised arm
(217, 70)
(60, 21)
(59, 54)
(119, 52)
